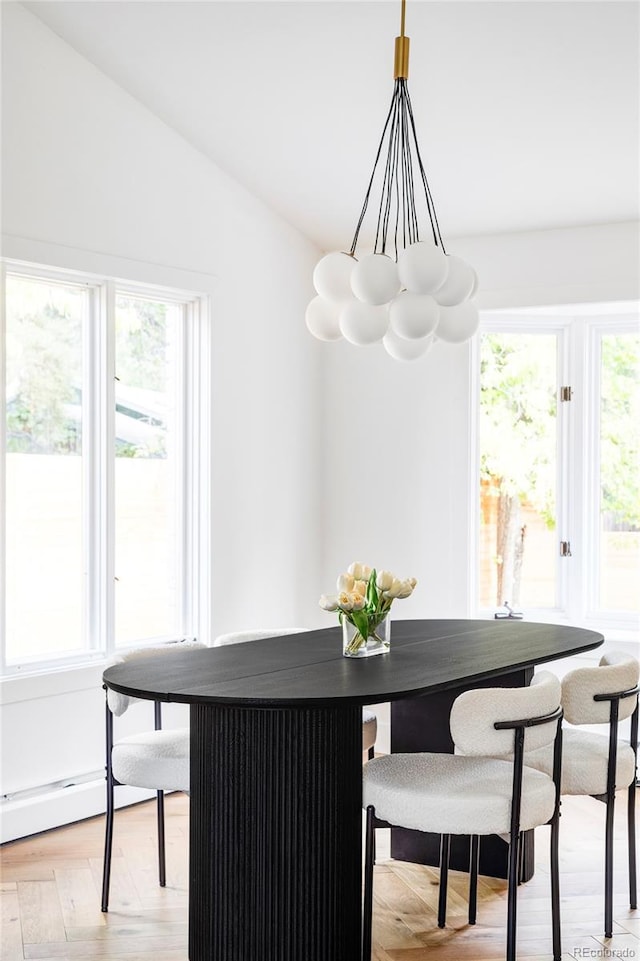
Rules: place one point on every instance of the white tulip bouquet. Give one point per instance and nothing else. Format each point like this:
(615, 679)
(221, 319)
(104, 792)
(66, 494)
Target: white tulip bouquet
(364, 599)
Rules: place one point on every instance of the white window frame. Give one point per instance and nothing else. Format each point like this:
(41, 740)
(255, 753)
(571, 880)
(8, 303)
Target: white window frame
(595, 327)
(194, 482)
(577, 481)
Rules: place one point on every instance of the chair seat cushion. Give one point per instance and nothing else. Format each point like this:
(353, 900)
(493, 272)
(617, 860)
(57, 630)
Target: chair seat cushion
(154, 759)
(453, 794)
(584, 762)
(369, 729)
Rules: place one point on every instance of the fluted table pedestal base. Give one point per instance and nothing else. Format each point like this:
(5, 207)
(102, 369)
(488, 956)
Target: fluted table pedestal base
(275, 846)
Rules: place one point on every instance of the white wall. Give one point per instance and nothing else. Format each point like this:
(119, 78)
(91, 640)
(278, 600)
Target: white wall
(594, 264)
(396, 471)
(92, 180)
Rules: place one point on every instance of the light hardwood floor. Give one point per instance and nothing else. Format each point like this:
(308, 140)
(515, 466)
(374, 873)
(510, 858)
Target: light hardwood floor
(50, 889)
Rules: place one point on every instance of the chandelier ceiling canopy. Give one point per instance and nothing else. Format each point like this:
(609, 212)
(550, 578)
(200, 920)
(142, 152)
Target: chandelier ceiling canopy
(408, 291)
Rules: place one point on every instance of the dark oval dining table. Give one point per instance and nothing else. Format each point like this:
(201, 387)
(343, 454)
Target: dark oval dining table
(276, 766)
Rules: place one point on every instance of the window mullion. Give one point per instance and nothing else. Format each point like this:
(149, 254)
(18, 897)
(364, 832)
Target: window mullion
(183, 473)
(563, 457)
(574, 467)
(590, 465)
(98, 431)
(106, 511)
(473, 555)
(592, 473)
(3, 447)
(91, 329)
(194, 473)
(199, 454)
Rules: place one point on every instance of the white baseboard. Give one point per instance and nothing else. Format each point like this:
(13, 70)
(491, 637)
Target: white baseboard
(21, 817)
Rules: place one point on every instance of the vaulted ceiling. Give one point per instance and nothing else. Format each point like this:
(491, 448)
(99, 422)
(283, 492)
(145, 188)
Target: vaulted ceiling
(527, 112)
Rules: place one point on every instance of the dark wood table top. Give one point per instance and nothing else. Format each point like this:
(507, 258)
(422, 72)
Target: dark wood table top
(308, 669)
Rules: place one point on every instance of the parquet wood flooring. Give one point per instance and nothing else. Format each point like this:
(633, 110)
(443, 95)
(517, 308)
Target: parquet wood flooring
(50, 897)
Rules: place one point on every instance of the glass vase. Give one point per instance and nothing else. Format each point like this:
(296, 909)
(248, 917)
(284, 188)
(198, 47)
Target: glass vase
(376, 642)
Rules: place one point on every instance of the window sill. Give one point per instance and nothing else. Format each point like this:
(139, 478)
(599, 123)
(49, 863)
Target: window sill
(51, 682)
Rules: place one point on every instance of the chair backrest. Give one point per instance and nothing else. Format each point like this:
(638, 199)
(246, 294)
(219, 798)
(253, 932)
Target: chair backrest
(474, 714)
(615, 673)
(119, 703)
(239, 637)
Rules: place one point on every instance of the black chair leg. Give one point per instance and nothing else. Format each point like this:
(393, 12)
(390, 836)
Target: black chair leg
(520, 857)
(108, 845)
(473, 878)
(162, 867)
(512, 899)
(367, 914)
(108, 834)
(445, 846)
(631, 841)
(608, 869)
(555, 889)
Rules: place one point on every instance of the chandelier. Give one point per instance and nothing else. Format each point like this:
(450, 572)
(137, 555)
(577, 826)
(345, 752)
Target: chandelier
(408, 292)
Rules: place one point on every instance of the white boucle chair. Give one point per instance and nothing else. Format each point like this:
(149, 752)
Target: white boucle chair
(484, 789)
(369, 719)
(597, 765)
(154, 759)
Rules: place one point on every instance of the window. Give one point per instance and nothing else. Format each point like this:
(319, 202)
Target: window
(148, 454)
(105, 481)
(559, 445)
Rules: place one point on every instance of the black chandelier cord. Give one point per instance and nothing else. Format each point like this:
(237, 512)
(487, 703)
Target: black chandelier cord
(398, 186)
(432, 208)
(411, 217)
(390, 175)
(410, 231)
(373, 173)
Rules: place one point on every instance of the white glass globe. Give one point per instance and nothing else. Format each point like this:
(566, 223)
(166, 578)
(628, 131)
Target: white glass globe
(422, 268)
(374, 279)
(476, 283)
(402, 349)
(363, 324)
(459, 283)
(332, 274)
(413, 315)
(322, 319)
(458, 323)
